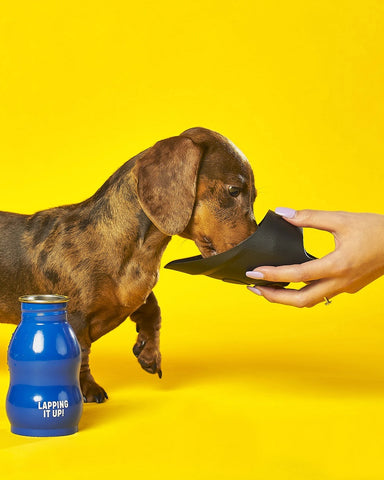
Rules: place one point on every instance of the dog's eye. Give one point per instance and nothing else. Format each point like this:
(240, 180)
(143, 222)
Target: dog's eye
(234, 191)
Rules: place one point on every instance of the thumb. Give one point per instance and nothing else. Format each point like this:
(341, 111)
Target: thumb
(320, 219)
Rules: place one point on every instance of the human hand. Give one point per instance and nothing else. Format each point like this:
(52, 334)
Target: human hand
(357, 260)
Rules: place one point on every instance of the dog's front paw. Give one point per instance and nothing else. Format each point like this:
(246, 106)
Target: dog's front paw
(148, 355)
(92, 392)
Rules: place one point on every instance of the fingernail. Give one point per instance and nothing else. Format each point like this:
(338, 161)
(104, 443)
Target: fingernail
(254, 274)
(285, 212)
(254, 290)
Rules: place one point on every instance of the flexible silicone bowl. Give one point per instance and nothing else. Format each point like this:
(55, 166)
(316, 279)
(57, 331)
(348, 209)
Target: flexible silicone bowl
(275, 242)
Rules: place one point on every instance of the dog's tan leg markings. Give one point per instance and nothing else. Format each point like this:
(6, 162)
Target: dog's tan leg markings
(92, 392)
(148, 322)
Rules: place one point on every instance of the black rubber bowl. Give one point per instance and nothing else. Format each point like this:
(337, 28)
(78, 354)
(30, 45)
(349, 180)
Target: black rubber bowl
(275, 242)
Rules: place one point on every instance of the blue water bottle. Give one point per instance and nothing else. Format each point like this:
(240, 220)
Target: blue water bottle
(44, 397)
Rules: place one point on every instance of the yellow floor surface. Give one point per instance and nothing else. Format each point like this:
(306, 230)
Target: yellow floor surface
(279, 393)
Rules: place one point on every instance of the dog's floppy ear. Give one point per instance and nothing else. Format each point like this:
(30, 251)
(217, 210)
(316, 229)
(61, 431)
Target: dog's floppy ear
(166, 182)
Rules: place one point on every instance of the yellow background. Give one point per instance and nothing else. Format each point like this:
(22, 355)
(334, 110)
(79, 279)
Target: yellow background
(250, 390)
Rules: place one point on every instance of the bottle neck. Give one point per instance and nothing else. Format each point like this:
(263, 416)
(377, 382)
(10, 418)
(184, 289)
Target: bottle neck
(46, 312)
(44, 307)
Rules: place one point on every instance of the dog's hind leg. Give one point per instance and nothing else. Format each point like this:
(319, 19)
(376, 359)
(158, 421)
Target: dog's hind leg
(148, 322)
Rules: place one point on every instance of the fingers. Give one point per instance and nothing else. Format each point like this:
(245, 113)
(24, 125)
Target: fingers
(308, 296)
(322, 275)
(304, 272)
(322, 220)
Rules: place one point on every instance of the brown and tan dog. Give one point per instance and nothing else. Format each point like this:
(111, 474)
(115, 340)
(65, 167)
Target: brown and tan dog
(104, 253)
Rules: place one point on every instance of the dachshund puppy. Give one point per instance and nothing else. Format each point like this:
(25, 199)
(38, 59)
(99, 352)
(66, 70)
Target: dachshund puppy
(104, 253)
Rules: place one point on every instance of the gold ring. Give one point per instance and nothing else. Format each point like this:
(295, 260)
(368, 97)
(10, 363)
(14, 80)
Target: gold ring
(327, 301)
